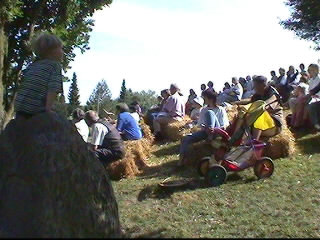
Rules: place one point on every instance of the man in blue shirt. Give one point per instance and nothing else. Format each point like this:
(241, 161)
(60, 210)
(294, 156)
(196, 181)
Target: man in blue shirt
(126, 124)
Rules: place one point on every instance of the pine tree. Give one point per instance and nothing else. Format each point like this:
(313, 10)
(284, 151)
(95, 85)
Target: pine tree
(100, 98)
(123, 91)
(73, 95)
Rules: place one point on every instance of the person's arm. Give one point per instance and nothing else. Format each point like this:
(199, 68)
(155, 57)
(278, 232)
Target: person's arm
(51, 97)
(242, 102)
(54, 86)
(120, 123)
(315, 90)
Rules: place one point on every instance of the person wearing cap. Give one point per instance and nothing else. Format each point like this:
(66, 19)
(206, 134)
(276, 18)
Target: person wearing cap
(213, 116)
(173, 110)
(270, 122)
(126, 124)
(80, 123)
(197, 105)
(106, 142)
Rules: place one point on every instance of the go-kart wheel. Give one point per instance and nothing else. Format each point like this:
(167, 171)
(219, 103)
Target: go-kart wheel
(216, 175)
(264, 168)
(203, 166)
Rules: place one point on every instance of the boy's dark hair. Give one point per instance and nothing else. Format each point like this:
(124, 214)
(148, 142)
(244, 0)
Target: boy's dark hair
(133, 108)
(122, 107)
(134, 103)
(210, 95)
(260, 79)
(273, 72)
(78, 114)
(210, 84)
(167, 91)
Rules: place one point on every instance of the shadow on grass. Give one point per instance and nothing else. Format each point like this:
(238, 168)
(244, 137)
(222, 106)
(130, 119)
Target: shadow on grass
(154, 234)
(309, 144)
(174, 149)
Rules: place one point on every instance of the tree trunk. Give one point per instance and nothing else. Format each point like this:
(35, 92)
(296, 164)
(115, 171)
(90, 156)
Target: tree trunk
(51, 186)
(2, 53)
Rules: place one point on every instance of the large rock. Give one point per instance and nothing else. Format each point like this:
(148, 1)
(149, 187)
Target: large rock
(50, 185)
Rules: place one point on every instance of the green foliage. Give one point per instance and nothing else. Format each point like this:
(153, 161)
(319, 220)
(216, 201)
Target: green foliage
(304, 20)
(101, 98)
(71, 20)
(73, 95)
(123, 91)
(146, 99)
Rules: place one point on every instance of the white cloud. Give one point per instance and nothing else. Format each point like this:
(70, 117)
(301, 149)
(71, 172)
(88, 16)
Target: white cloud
(152, 47)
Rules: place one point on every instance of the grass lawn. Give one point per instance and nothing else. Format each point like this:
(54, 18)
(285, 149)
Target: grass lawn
(286, 205)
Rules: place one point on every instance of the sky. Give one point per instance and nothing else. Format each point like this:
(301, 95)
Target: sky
(153, 43)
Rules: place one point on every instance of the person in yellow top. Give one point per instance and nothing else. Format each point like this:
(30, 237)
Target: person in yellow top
(264, 112)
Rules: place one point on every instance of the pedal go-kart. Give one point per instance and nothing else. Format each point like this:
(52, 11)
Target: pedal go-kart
(241, 157)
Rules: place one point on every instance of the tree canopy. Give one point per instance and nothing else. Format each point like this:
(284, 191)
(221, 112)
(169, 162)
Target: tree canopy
(304, 20)
(20, 20)
(123, 91)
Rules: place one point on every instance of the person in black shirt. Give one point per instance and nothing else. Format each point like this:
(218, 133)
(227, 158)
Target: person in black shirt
(274, 109)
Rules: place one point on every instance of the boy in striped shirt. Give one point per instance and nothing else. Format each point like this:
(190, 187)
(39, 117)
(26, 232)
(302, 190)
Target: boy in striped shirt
(42, 80)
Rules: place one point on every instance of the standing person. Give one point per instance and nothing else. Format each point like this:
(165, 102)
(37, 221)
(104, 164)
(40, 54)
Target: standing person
(292, 77)
(192, 96)
(78, 120)
(106, 142)
(174, 110)
(127, 126)
(42, 79)
(210, 86)
(314, 94)
(211, 117)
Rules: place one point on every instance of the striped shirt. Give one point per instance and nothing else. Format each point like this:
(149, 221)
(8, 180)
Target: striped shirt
(39, 78)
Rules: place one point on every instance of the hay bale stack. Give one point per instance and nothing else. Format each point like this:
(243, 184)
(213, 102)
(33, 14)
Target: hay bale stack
(280, 146)
(198, 151)
(176, 130)
(147, 134)
(51, 185)
(232, 112)
(134, 162)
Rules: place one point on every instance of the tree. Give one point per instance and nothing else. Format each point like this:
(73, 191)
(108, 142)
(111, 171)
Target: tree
(146, 99)
(100, 97)
(123, 91)
(73, 95)
(304, 20)
(71, 20)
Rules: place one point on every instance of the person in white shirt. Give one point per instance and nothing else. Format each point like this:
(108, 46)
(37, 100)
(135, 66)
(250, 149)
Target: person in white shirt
(314, 93)
(197, 107)
(134, 113)
(235, 93)
(78, 120)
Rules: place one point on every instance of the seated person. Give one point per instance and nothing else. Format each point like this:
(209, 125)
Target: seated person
(268, 123)
(197, 105)
(80, 123)
(297, 103)
(313, 98)
(173, 110)
(232, 95)
(210, 121)
(126, 124)
(134, 112)
(189, 107)
(106, 141)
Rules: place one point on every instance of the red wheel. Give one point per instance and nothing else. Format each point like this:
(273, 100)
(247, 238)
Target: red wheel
(264, 168)
(203, 166)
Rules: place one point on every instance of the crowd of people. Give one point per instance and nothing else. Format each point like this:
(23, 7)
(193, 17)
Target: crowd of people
(298, 90)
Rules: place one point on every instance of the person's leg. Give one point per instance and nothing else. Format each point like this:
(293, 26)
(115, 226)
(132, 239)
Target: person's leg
(190, 139)
(292, 104)
(164, 120)
(314, 109)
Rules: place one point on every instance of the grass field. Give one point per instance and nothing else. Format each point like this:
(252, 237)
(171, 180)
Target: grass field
(286, 205)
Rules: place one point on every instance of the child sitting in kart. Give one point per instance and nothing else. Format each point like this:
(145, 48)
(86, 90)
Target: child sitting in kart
(211, 117)
(264, 112)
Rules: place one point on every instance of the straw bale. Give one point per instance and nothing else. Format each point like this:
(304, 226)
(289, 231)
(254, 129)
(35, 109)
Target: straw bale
(134, 162)
(198, 151)
(176, 130)
(147, 134)
(281, 146)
